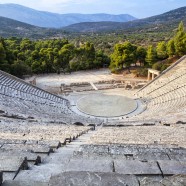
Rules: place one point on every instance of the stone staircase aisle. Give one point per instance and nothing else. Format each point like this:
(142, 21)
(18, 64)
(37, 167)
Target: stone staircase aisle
(54, 164)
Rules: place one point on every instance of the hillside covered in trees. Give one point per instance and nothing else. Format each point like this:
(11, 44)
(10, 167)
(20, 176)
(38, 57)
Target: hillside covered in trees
(160, 22)
(126, 54)
(23, 56)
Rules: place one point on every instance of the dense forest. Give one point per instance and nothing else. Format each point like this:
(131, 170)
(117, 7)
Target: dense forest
(24, 56)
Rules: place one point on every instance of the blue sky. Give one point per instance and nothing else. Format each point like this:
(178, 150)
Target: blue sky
(137, 8)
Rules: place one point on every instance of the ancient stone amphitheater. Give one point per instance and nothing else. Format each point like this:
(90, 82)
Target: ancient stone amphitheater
(43, 141)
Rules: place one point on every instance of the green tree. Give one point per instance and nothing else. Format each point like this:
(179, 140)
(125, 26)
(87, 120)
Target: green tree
(19, 68)
(151, 55)
(180, 41)
(141, 54)
(161, 50)
(3, 62)
(36, 67)
(171, 48)
(65, 55)
(89, 55)
(123, 56)
(101, 60)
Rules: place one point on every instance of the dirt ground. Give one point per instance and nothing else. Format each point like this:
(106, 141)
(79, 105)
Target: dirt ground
(55, 80)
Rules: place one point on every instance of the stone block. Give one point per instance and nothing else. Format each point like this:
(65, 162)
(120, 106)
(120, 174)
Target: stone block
(172, 167)
(54, 144)
(28, 148)
(90, 165)
(12, 163)
(92, 178)
(40, 173)
(9, 175)
(149, 182)
(31, 157)
(94, 149)
(136, 167)
(24, 183)
(12, 141)
(177, 154)
(122, 150)
(176, 180)
(151, 156)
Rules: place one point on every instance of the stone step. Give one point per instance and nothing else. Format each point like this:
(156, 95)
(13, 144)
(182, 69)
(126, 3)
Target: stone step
(89, 165)
(93, 178)
(31, 157)
(61, 161)
(41, 173)
(9, 175)
(137, 167)
(58, 158)
(12, 163)
(26, 147)
(172, 167)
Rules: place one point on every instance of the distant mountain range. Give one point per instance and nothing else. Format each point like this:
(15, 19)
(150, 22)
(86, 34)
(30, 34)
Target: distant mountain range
(168, 19)
(160, 23)
(53, 20)
(12, 28)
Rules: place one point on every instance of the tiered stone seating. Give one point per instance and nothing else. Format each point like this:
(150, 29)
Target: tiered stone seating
(144, 150)
(28, 100)
(166, 94)
(24, 144)
(174, 134)
(153, 152)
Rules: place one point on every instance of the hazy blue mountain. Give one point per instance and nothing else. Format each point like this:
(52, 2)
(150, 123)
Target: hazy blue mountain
(47, 19)
(169, 20)
(13, 28)
(164, 22)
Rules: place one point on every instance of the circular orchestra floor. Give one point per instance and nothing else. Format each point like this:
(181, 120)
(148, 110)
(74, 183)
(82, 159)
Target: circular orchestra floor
(103, 105)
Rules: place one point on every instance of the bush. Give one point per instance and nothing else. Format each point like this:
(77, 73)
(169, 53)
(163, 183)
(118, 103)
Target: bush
(157, 66)
(142, 72)
(160, 66)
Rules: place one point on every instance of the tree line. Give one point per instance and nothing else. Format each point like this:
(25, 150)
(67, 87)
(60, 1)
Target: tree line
(126, 54)
(23, 56)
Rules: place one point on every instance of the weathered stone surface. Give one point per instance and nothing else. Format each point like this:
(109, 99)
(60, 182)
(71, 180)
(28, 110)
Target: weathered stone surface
(123, 149)
(24, 183)
(151, 156)
(40, 173)
(177, 154)
(90, 165)
(172, 167)
(52, 144)
(25, 147)
(97, 149)
(93, 179)
(12, 163)
(177, 180)
(31, 157)
(12, 141)
(149, 182)
(136, 167)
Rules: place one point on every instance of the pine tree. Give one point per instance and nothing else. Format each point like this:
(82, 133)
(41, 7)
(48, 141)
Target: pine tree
(170, 48)
(180, 41)
(161, 50)
(151, 55)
